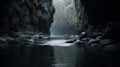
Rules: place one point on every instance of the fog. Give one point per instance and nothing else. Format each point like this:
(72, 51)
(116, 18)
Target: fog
(65, 18)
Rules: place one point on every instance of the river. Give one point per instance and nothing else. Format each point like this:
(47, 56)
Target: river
(65, 54)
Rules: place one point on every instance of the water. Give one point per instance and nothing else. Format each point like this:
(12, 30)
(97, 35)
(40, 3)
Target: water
(65, 22)
(65, 54)
(65, 17)
(57, 54)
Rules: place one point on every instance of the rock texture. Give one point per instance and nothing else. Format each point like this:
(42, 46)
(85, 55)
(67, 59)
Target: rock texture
(25, 15)
(82, 15)
(98, 15)
(22, 24)
(102, 29)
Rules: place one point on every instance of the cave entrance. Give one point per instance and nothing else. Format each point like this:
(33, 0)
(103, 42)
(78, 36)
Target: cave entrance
(65, 18)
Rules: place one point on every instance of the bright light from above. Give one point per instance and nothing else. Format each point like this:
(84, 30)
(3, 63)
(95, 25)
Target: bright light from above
(65, 17)
(57, 43)
(58, 1)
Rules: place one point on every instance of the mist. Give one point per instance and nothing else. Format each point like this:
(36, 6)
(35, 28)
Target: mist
(65, 18)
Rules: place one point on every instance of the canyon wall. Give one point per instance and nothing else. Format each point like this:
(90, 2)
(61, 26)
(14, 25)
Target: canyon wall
(25, 15)
(101, 40)
(20, 20)
(100, 15)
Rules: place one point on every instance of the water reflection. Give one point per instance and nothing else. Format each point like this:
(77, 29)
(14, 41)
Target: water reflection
(64, 53)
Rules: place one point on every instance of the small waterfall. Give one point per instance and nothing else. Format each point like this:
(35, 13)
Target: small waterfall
(65, 18)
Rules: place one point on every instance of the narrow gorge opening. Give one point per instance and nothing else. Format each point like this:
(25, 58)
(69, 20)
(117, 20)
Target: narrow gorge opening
(25, 28)
(65, 18)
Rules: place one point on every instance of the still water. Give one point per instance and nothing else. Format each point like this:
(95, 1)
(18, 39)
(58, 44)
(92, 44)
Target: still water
(65, 54)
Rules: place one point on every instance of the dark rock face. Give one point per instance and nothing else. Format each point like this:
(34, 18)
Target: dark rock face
(101, 15)
(102, 33)
(21, 23)
(82, 15)
(25, 15)
(101, 11)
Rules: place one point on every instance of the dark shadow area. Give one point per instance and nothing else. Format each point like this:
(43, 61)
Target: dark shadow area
(101, 40)
(26, 56)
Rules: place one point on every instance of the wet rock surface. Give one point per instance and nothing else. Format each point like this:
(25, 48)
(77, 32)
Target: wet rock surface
(101, 41)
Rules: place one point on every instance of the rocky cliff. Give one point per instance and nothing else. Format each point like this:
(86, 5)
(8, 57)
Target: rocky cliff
(101, 39)
(21, 22)
(25, 15)
(98, 15)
